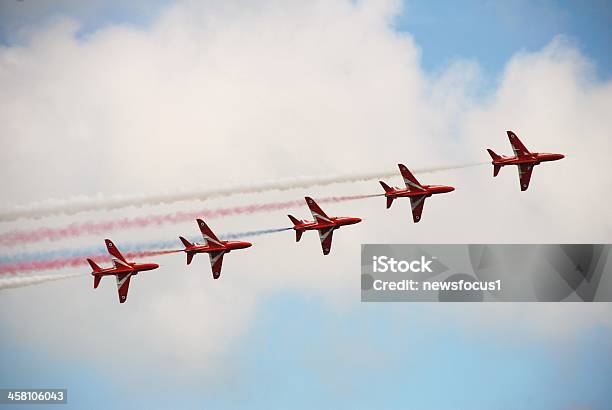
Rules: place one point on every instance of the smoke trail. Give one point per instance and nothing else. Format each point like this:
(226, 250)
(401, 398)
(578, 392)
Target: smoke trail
(128, 247)
(17, 237)
(239, 235)
(83, 204)
(69, 262)
(21, 281)
(82, 252)
(60, 259)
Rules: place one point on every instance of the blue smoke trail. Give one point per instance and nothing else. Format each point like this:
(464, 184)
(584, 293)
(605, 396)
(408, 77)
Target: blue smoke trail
(128, 247)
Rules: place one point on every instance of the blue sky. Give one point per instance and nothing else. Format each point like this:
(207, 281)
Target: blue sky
(301, 352)
(491, 32)
(488, 32)
(374, 363)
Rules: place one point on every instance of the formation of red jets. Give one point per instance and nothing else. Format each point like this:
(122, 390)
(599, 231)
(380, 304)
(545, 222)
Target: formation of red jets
(325, 225)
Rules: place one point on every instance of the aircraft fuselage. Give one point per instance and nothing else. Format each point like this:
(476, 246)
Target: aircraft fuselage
(428, 191)
(227, 246)
(535, 158)
(336, 222)
(135, 268)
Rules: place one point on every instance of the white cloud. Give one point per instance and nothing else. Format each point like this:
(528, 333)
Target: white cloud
(217, 93)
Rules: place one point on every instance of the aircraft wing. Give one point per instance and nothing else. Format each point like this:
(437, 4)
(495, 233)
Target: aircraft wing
(209, 237)
(517, 146)
(326, 239)
(216, 260)
(123, 284)
(417, 203)
(317, 212)
(113, 251)
(525, 175)
(411, 182)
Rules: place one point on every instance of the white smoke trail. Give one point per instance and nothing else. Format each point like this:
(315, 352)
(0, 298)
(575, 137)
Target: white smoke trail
(83, 204)
(22, 281)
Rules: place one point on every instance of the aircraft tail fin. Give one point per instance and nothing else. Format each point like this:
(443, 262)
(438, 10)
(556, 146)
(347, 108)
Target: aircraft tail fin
(386, 187)
(493, 155)
(294, 220)
(496, 169)
(185, 242)
(187, 246)
(94, 266)
(190, 257)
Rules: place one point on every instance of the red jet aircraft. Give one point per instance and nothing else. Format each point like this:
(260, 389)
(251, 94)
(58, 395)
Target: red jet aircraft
(122, 269)
(524, 159)
(212, 245)
(322, 223)
(414, 190)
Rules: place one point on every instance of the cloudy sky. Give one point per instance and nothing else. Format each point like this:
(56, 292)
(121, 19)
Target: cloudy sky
(107, 99)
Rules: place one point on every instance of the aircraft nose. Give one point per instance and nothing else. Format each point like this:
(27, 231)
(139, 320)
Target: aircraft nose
(153, 266)
(553, 157)
(356, 220)
(247, 244)
(450, 189)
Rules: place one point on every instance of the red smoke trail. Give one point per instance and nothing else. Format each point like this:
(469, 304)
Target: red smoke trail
(95, 228)
(73, 262)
